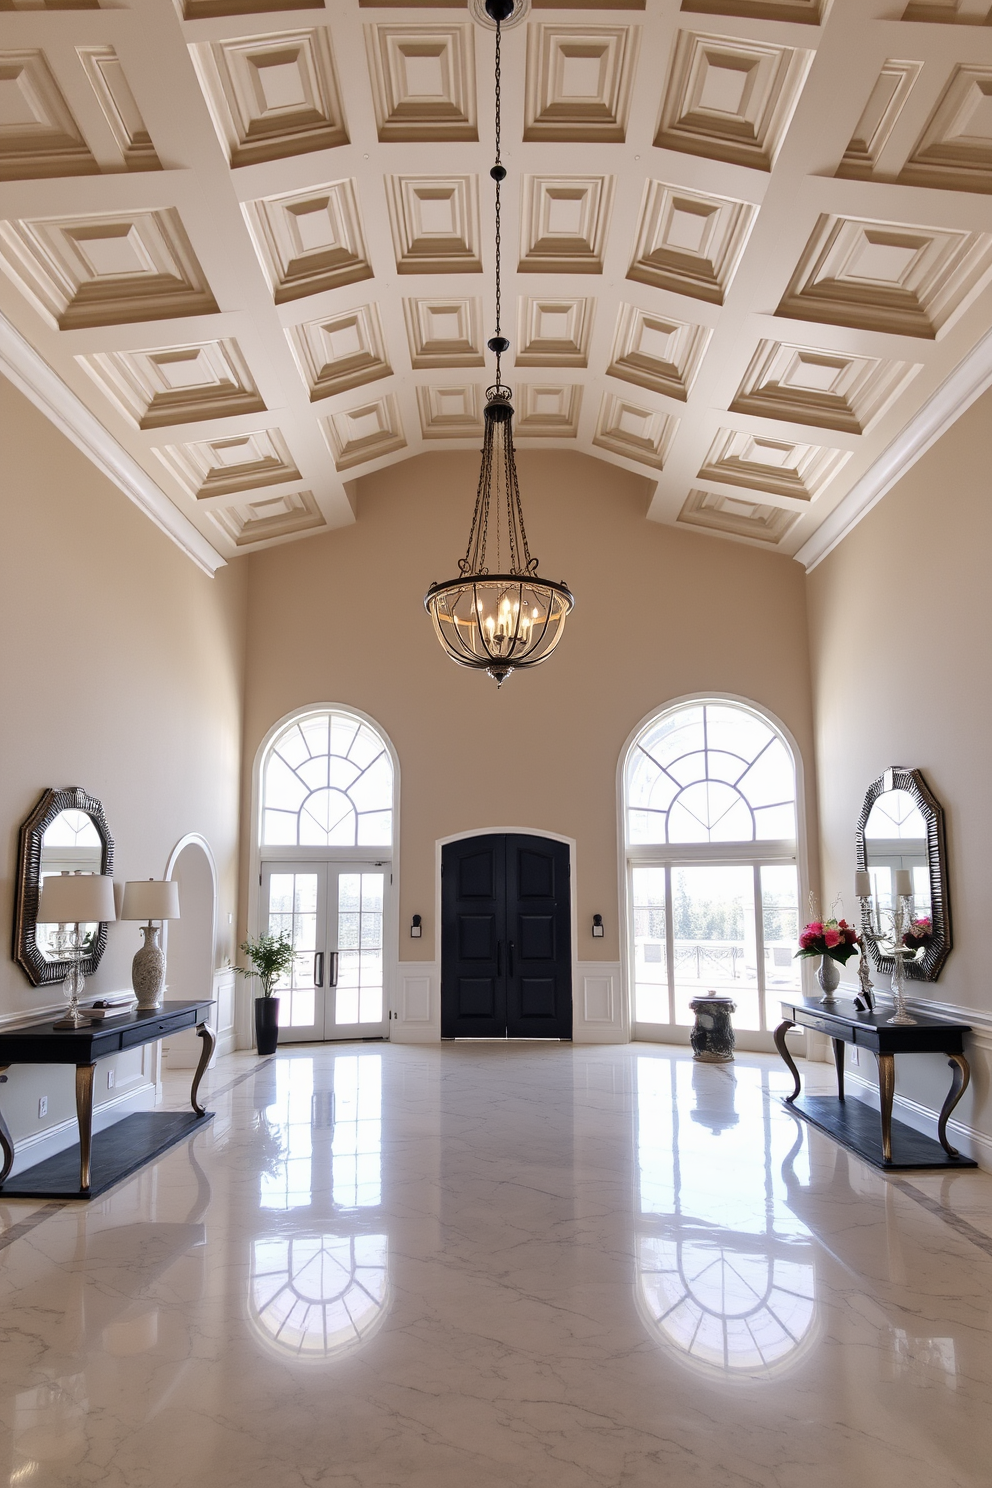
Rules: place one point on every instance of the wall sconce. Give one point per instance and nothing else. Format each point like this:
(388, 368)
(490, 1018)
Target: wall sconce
(415, 927)
(597, 927)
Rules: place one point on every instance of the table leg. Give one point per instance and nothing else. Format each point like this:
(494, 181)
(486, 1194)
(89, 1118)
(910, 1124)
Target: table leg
(6, 1140)
(84, 1116)
(206, 1034)
(839, 1062)
(780, 1045)
(886, 1091)
(960, 1075)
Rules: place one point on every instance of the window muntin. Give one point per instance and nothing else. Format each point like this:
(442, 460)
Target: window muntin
(327, 781)
(711, 787)
(710, 772)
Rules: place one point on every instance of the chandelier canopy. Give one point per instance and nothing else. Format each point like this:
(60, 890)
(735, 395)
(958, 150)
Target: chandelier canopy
(499, 614)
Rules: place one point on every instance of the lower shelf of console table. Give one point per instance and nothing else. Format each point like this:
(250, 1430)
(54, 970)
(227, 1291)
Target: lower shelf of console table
(116, 1153)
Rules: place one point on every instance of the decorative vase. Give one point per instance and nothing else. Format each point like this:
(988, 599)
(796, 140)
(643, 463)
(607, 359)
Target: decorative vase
(266, 1024)
(828, 976)
(712, 1038)
(148, 971)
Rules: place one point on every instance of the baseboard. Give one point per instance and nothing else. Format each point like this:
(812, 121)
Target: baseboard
(967, 1139)
(35, 1148)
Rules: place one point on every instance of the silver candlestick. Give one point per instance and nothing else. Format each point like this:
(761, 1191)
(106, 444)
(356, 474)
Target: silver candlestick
(890, 943)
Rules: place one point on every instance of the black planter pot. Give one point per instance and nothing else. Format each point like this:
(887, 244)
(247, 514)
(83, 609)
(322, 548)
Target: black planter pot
(266, 1024)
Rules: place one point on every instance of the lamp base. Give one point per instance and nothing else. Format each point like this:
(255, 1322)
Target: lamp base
(148, 971)
(77, 1019)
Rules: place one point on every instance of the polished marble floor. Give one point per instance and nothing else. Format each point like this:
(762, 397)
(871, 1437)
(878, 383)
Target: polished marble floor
(473, 1266)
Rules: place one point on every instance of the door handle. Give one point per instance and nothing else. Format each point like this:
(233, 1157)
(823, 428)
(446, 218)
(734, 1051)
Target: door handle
(499, 958)
(332, 979)
(509, 957)
(318, 968)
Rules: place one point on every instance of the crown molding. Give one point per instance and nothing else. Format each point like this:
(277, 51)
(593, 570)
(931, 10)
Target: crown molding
(22, 365)
(969, 380)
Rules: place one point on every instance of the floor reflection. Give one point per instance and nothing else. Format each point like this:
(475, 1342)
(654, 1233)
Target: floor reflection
(724, 1267)
(318, 1277)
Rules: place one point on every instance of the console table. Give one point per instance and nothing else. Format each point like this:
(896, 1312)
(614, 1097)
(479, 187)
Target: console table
(130, 1142)
(855, 1124)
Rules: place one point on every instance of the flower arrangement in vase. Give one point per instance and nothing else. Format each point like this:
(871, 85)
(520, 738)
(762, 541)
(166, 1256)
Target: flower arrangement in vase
(920, 933)
(834, 942)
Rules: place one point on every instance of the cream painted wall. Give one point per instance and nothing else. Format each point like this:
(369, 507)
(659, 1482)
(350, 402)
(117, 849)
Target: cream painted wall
(900, 635)
(121, 672)
(659, 613)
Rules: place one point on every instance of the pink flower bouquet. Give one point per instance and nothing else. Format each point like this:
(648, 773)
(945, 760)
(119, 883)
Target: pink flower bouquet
(834, 938)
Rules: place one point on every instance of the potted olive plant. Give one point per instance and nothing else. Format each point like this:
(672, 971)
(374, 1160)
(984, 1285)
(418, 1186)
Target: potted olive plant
(269, 956)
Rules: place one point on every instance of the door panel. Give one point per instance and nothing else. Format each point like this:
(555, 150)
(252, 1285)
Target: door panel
(538, 919)
(295, 904)
(505, 938)
(473, 997)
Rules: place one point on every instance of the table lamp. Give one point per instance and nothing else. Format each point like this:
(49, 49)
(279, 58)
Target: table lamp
(150, 899)
(75, 899)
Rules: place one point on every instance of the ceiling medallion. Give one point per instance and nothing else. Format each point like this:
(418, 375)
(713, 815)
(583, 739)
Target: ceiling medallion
(499, 615)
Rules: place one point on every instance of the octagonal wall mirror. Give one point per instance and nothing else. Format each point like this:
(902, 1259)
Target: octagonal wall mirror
(902, 827)
(67, 832)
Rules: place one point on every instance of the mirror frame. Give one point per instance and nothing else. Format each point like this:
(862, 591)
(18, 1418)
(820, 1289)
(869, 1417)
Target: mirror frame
(928, 967)
(37, 968)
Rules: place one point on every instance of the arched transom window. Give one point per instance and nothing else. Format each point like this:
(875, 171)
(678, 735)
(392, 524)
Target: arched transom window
(327, 781)
(713, 892)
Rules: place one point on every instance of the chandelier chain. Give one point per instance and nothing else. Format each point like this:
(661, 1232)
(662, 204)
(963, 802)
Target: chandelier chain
(499, 293)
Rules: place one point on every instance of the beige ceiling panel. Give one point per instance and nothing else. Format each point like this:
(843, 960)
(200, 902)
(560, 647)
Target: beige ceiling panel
(365, 432)
(731, 99)
(309, 241)
(553, 332)
(829, 389)
(776, 466)
(638, 433)
(106, 270)
(423, 81)
(579, 80)
(176, 384)
(36, 5)
(199, 10)
(690, 243)
(340, 351)
(547, 411)
(444, 332)
(435, 224)
(453, 412)
(657, 352)
(38, 135)
(103, 68)
(565, 220)
(735, 517)
(236, 462)
(270, 517)
(955, 149)
(887, 276)
(954, 12)
(272, 96)
(885, 103)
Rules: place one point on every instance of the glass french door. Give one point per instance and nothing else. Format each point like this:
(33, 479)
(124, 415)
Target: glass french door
(333, 913)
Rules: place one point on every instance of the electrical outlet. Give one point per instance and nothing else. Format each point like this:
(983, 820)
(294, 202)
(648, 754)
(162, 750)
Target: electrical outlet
(855, 1054)
(111, 1077)
(42, 1106)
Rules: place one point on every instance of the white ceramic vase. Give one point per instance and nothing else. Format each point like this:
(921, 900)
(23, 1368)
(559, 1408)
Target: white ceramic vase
(828, 976)
(148, 970)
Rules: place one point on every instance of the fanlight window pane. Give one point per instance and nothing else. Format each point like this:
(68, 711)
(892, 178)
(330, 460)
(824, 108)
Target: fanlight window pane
(327, 782)
(736, 776)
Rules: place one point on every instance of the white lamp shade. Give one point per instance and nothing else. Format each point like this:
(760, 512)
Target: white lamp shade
(862, 884)
(904, 882)
(150, 899)
(76, 899)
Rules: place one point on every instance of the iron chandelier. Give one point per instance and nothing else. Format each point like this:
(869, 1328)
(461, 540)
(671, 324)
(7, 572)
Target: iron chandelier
(499, 614)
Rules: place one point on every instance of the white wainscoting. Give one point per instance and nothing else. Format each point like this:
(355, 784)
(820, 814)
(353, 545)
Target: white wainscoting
(599, 1014)
(182, 1050)
(416, 1018)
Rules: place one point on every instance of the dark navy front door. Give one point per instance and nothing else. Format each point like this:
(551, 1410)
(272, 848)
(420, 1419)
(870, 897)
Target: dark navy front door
(506, 961)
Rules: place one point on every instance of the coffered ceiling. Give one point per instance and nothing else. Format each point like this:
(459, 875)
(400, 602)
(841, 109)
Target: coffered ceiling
(246, 247)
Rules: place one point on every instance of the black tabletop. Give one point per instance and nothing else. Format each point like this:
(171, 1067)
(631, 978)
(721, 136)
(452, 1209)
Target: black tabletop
(841, 1019)
(43, 1043)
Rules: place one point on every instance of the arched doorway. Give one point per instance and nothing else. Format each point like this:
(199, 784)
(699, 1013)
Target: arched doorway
(191, 941)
